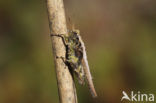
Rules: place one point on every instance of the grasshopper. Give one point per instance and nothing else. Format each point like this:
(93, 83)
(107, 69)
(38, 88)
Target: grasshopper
(76, 58)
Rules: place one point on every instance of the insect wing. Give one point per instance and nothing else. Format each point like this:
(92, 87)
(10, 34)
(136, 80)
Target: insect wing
(87, 70)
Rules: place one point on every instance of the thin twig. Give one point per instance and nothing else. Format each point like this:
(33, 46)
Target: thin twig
(57, 25)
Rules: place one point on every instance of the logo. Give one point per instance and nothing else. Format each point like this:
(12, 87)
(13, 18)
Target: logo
(137, 96)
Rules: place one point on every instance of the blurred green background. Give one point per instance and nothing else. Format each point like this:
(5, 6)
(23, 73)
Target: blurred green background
(120, 37)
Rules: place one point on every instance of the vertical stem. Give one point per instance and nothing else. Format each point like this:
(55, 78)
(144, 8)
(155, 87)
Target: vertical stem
(57, 25)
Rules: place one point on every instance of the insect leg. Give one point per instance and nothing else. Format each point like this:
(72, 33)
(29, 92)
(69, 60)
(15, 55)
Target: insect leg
(63, 59)
(64, 38)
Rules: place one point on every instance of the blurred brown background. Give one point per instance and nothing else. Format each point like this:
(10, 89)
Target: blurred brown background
(120, 37)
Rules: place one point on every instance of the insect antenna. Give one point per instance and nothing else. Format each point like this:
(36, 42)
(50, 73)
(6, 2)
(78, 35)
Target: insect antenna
(70, 24)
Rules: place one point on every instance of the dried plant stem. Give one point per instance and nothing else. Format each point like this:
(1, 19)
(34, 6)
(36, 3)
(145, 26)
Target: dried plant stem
(57, 24)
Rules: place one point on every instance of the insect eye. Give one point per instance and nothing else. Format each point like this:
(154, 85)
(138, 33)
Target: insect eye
(75, 34)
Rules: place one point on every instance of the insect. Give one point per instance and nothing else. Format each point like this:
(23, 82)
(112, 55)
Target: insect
(76, 58)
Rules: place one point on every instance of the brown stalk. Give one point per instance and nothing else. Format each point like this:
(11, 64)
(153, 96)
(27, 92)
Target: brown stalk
(57, 25)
